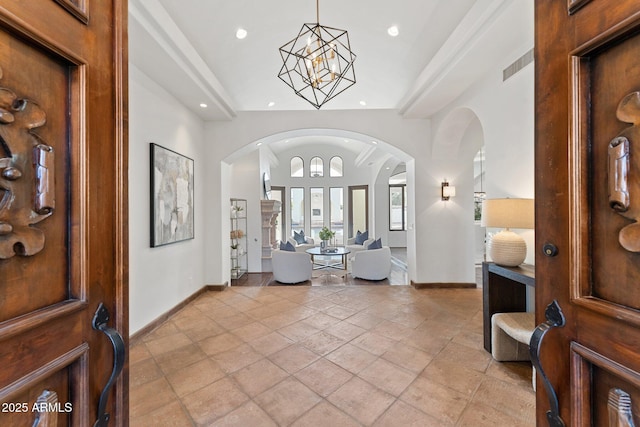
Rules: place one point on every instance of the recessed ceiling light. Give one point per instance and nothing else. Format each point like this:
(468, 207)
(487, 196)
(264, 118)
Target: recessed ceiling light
(241, 33)
(203, 105)
(393, 31)
(271, 104)
(387, 168)
(374, 142)
(363, 103)
(259, 144)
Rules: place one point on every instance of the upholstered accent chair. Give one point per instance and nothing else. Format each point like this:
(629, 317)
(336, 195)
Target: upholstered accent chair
(291, 267)
(371, 264)
(301, 247)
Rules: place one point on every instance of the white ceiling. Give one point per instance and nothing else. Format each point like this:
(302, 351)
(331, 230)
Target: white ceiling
(444, 46)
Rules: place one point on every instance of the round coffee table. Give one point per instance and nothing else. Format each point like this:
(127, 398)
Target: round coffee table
(331, 253)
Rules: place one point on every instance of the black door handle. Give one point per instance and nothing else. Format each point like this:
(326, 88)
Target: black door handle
(555, 319)
(99, 323)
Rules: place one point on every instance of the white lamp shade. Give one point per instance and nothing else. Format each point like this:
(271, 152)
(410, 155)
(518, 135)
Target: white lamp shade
(506, 247)
(449, 191)
(508, 213)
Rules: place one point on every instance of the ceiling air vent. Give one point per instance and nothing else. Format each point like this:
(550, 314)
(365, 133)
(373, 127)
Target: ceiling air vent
(518, 65)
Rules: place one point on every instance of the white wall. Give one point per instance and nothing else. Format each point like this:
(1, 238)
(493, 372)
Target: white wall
(161, 277)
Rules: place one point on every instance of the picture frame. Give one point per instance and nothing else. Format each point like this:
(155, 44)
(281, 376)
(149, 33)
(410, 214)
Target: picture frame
(172, 204)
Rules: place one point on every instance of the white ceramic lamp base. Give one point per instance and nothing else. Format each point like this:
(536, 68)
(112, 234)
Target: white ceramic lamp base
(507, 248)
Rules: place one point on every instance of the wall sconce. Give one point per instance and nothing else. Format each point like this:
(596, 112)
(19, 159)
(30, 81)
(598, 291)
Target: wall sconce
(448, 191)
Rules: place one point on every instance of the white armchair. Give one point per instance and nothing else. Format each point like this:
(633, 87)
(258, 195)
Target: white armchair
(301, 247)
(354, 248)
(291, 267)
(371, 264)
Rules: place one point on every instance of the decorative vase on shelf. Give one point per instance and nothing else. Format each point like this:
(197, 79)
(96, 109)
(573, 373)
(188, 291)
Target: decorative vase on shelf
(324, 244)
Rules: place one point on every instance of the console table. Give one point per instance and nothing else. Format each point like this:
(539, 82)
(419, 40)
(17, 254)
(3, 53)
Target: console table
(504, 290)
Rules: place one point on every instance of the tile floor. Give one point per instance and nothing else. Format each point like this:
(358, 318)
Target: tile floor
(326, 356)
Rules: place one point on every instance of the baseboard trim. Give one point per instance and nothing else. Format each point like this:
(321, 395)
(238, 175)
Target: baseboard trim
(138, 335)
(441, 285)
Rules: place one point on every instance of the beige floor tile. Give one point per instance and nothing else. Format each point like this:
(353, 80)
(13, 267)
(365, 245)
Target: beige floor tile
(220, 343)
(479, 415)
(150, 396)
(248, 415)
(138, 352)
(287, 401)
(234, 322)
(180, 358)
(214, 401)
(393, 330)
(495, 393)
(361, 400)
(373, 343)
(345, 330)
(294, 358)
(237, 358)
(201, 328)
(340, 312)
(426, 341)
(259, 376)
(401, 414)
(168, 343)
(325, 414)
(170, 415)
(358, 347)
(407, 357)
(144, 371)
(365, 321)
(323, 377)
(166, 329)
(388, 377)
(454, 375)
(195, 376)
(517, 373)
(322, 343)
(270, 343)
(251, 331)
(351, 358)
(435, 399)
(321, 321)
(298, 331)
(471, 358)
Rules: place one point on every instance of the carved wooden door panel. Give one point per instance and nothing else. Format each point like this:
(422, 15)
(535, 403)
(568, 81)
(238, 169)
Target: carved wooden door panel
(63, 253)
(587, 211)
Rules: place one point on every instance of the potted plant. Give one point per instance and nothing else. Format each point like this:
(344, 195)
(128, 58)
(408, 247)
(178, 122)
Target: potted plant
(325, 235)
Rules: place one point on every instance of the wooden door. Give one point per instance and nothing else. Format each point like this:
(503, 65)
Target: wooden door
(587, 208)
(63, 207)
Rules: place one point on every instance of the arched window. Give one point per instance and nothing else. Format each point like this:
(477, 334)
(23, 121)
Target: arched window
(297, 167)
(316, 168)
(335, 166)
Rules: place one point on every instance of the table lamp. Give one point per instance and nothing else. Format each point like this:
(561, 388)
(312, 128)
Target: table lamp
(506, 247)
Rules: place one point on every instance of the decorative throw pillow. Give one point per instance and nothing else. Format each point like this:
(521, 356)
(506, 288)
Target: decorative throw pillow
(287, 247)
(376, 244)
(299, 237)
(361, 237)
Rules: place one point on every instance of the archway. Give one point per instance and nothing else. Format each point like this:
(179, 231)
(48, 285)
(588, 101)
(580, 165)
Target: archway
(374, 154)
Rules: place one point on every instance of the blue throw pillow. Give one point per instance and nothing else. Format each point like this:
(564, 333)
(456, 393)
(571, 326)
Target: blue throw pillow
(287, 247)
(299, 237)
(361, 237)
(376, 244)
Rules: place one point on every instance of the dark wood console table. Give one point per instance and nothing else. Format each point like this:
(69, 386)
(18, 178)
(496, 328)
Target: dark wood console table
(504, 290)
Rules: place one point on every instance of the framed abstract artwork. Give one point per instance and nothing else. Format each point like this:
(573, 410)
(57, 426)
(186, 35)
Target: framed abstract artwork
(171, 196)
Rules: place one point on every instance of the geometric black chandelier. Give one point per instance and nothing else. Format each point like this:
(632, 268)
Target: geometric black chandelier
(318, 63)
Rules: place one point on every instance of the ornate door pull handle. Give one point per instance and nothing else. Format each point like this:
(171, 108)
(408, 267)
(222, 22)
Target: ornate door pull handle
(555, 319)
(100, 319)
